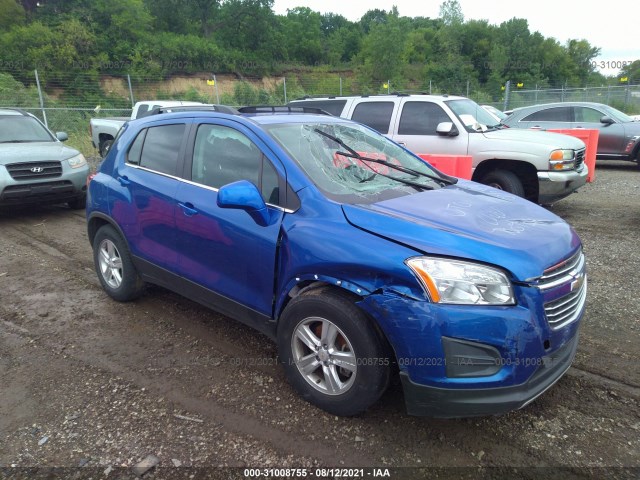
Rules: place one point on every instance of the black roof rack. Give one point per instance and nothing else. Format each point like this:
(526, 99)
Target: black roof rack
(282, 109)
(194, 108)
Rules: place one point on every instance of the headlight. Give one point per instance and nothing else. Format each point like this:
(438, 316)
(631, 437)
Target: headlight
(77, 161)
(562, 160)
(464, 283)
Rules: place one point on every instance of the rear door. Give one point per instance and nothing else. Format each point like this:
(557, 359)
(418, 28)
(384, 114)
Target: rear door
(224, 249)
(142, 202)
(416, 125)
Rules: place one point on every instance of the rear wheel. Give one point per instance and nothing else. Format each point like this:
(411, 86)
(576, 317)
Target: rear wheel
(332, 354)
(114, 266)
(504, 180)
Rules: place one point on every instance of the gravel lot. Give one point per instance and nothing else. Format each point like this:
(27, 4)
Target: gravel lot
(96, 387)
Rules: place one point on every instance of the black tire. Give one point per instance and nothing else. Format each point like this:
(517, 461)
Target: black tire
(105, 147)
(354, 388)
(79, 203)
(504, 180)
(114, 266)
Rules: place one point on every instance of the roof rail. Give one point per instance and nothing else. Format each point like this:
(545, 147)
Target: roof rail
(194, 108)
(282, 109)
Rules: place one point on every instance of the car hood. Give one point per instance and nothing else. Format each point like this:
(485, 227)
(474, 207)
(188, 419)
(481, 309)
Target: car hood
(35, 152)
(475, 222)
(537, 137)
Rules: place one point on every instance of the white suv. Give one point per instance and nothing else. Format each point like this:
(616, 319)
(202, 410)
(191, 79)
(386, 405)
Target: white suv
(540, 166)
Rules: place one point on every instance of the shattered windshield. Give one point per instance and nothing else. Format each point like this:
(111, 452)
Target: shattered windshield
(345, 159)
(473, 116)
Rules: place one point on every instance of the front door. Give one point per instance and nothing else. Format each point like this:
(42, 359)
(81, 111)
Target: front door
(224, 249)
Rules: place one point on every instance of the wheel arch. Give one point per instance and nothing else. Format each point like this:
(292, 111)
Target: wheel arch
(97, 221)
(344, 289)
(525, 171)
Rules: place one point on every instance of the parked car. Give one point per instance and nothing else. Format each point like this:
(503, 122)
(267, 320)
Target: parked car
(35, 166)
(542, 168)
(354, 255)
(104, 130)
(495, 113)
(619, 137)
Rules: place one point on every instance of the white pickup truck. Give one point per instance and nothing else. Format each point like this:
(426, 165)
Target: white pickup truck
(540, 166)
(104, 130)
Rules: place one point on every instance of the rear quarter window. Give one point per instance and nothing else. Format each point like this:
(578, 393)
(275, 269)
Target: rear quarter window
(334, 107)
(376, 115)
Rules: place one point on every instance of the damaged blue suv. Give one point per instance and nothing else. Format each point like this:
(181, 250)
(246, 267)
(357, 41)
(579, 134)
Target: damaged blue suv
(359, 259)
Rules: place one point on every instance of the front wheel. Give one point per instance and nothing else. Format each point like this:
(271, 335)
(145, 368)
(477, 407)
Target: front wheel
(105, 147)
(114, 266)
(332, 354)
(504, 180)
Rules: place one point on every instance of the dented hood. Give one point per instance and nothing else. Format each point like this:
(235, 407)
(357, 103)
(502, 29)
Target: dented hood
(475, 222)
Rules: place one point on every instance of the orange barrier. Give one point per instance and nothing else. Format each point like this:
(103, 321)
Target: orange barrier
(454, 165)
(590, 139)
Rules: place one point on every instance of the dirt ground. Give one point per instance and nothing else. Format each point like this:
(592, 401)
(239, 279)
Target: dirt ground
(94, 387)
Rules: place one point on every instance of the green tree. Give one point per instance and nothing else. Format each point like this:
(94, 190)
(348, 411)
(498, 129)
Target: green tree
(381, 56)
(451, 12)
(11, 13)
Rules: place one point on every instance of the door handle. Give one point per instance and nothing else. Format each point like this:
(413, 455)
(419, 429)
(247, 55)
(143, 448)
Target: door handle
(188, 209)
(124, 181)
(536, 127)
(404, 144)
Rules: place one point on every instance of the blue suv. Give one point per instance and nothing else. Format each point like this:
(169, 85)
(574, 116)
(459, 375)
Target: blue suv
(359, 259)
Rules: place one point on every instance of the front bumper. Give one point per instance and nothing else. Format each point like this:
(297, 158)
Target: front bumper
(69, 186)
(554, 186)
(452, 403)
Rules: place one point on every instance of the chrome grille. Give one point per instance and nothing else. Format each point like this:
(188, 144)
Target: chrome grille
(579, 158)
(562, 272)
(34, 170)
(566, 309)
(568, 276)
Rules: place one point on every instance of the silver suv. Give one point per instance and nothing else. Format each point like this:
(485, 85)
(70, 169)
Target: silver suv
(35, 167)
(542, 167)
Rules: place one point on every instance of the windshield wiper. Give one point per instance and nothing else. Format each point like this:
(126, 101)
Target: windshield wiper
(353, 154)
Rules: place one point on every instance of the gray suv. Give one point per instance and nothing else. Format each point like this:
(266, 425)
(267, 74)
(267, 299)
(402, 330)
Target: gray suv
(35, 167)
(619, 134)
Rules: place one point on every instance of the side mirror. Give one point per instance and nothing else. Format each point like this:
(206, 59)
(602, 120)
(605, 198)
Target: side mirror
(606, 120)
(447, 129)
(62, 136)
(245, 196)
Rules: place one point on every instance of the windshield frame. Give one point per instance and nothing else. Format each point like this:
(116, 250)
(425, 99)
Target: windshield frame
(319, 163)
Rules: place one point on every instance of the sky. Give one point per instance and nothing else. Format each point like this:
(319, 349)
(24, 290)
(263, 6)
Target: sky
(612, 27)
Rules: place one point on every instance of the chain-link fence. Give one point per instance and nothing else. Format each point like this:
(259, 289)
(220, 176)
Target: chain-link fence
(622, 97)
(66, 102)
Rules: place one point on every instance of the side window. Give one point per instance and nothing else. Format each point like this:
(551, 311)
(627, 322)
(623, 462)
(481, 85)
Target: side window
(587, 115)
(135, 151)
(421, 118)
(142, 111)
(224, 155)
(557, 114)
(334, 107)
(376, 115)
(161, 148)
